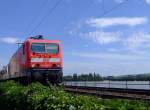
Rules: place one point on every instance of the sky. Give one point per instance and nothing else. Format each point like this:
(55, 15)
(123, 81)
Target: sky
(99, 36)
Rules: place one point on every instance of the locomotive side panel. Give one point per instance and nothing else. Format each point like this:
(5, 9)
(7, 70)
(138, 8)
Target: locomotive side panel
(22, 60)
(13, 67)
(17, 63)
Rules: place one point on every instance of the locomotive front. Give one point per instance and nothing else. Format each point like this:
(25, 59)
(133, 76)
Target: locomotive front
(44, 60)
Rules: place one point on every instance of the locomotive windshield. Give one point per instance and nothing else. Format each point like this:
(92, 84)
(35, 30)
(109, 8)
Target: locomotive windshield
(38, 47)
(45, 48)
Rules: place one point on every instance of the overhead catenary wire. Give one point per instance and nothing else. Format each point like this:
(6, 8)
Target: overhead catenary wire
(36, 15)
(113, 8)
(59, 1)
(49, 12)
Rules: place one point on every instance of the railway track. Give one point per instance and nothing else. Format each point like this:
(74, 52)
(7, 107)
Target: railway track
(135, 94)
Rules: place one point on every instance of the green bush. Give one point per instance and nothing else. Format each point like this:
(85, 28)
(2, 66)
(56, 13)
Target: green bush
(36, 96)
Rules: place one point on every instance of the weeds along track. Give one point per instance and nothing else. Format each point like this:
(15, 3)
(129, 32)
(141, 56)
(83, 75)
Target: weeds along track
(35, 96)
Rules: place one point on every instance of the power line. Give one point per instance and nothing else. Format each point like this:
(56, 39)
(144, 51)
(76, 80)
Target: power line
(50, 11)
(59, 1)
(113, 8)
(35, 17)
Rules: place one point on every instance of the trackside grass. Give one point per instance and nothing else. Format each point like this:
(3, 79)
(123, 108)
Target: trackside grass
(14, 96)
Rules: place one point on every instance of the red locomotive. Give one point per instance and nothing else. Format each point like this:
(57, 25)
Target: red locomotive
(37, 59)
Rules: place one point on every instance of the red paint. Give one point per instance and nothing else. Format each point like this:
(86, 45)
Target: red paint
(20, 61)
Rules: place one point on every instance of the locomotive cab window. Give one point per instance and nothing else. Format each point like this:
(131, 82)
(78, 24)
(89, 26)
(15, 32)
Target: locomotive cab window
(52, 48)
(38, 47)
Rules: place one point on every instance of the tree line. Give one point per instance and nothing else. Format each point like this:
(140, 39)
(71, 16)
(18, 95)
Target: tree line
(83, 77)
(97, 77)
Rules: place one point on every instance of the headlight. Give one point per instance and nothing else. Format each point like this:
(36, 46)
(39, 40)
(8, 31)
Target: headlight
(33, 65)
(58, 65)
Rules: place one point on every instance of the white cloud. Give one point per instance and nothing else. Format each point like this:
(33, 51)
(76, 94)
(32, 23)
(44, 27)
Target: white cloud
(110, 56)
(102, 37)
(134, 41)
(9, 40)
(138, 40)
(114, 21)
(118, 1)
(112, 50)
(148, 2)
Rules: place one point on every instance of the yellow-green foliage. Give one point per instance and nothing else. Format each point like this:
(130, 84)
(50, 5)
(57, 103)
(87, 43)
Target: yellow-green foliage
(36, 96)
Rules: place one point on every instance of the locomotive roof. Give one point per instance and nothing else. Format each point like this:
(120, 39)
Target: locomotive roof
(42, 41)
(40, 38)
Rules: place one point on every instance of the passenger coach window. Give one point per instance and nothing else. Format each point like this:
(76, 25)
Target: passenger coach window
(52, 48)
(38, 47)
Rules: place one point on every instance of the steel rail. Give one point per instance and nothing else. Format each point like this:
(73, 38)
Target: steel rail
(104, 92)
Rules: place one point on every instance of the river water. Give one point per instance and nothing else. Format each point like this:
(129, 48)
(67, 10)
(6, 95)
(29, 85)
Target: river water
(112, 84)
